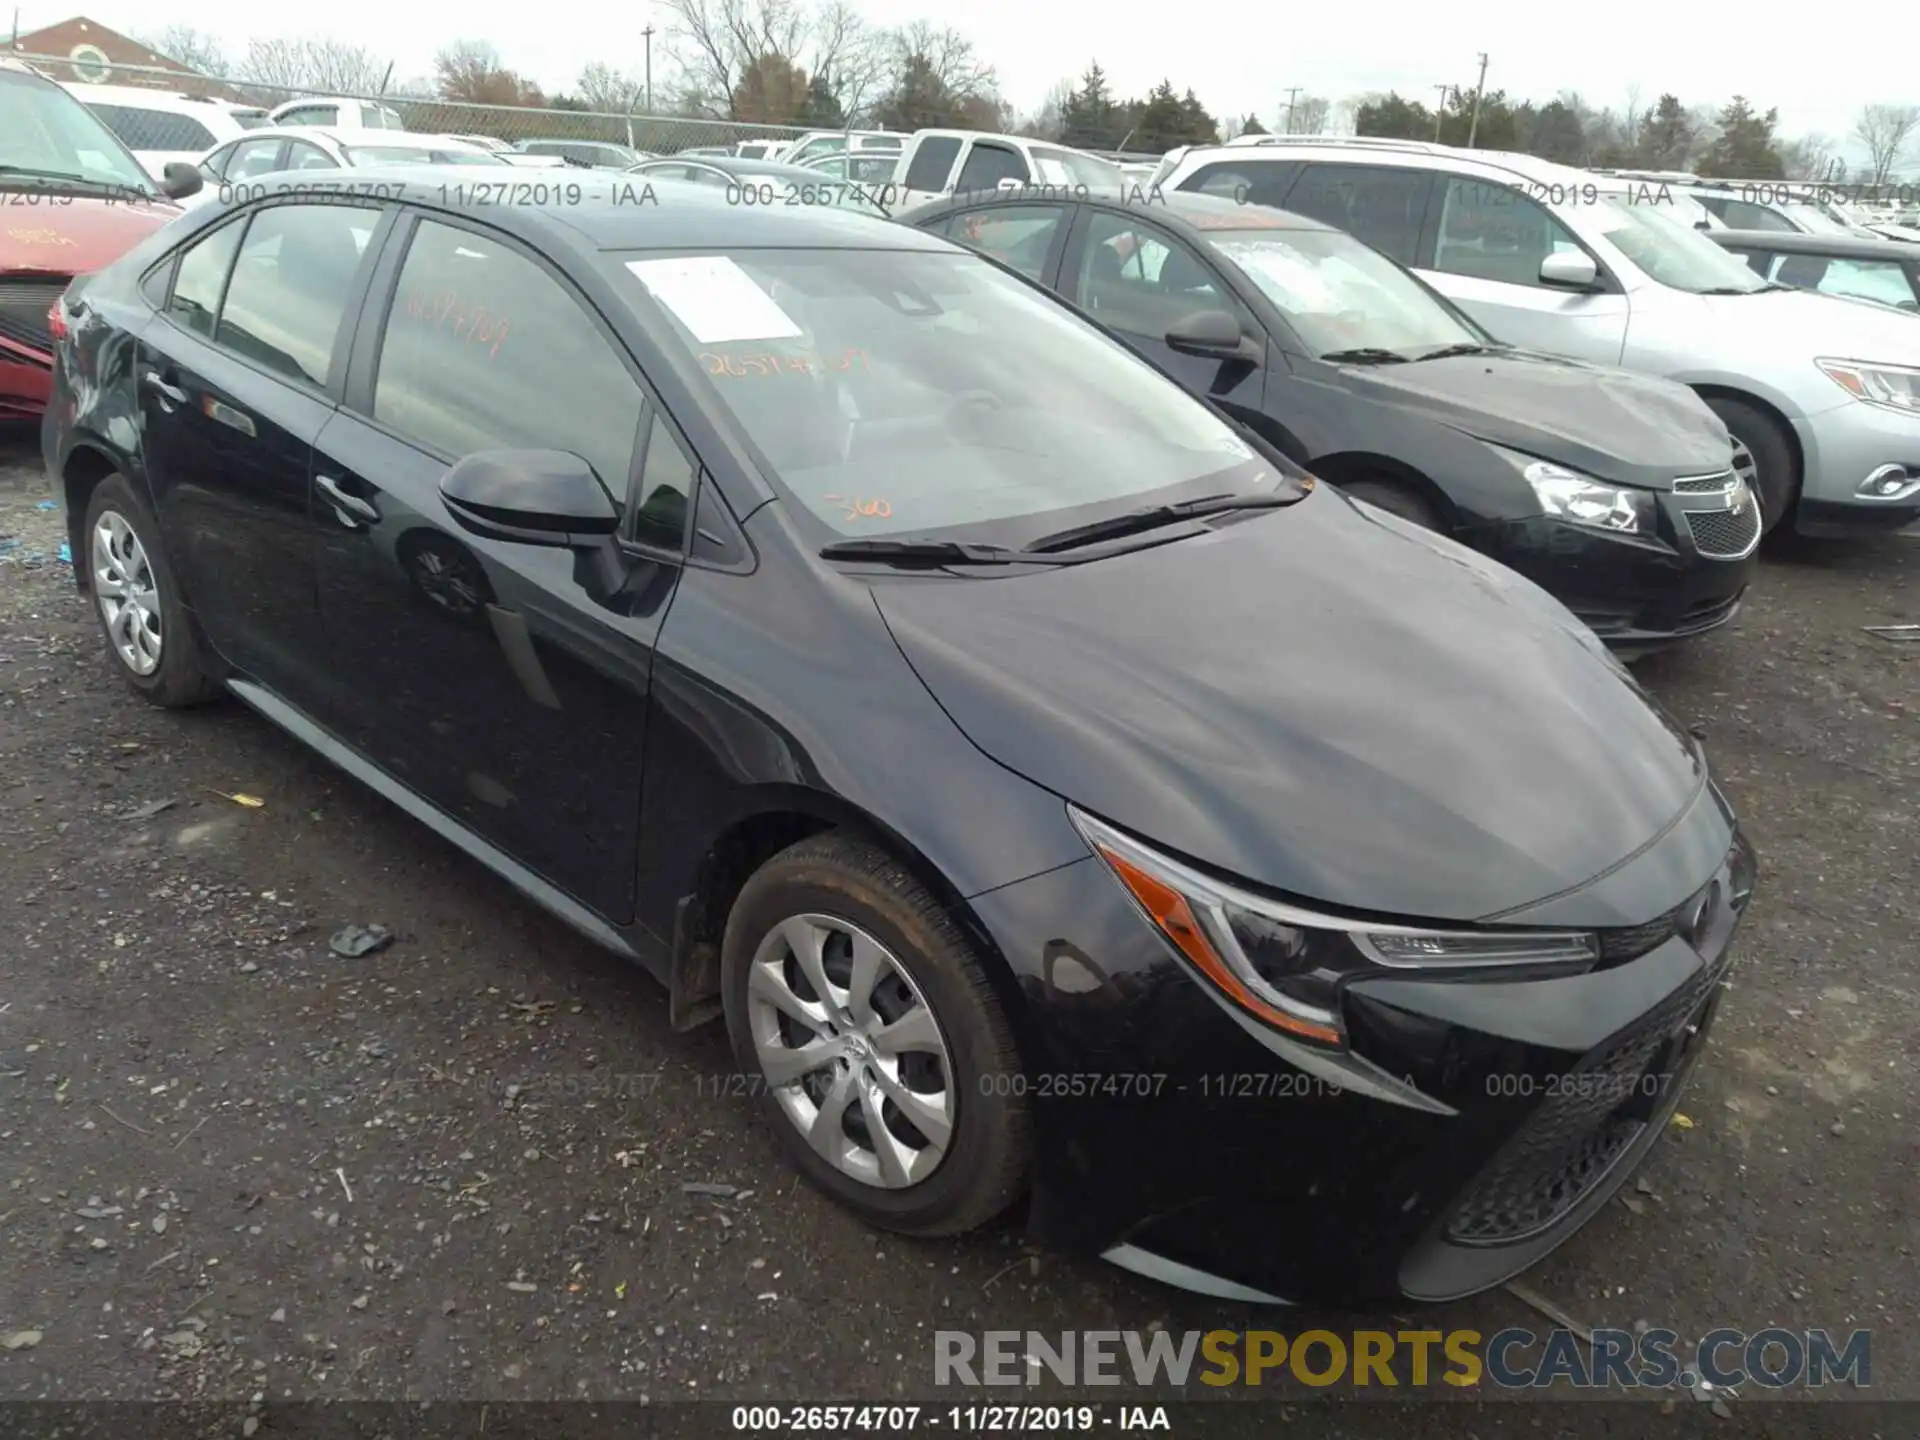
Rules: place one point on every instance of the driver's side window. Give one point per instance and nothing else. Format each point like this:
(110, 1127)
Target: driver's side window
(1490, 231)
(1141, 280)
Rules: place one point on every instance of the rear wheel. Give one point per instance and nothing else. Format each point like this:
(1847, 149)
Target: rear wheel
(154, 642)
(1762, 456)
(879, 1051)
(1396, 497)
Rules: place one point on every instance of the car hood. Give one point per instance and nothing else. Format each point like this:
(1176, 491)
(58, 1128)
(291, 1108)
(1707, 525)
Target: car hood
(1835, 326)
(74, 234)
(1626, 428)
(1322, 700)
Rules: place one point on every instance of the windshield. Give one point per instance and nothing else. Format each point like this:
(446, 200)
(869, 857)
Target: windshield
(1659, 237)
(896, 392)
(1070, 167)
(1813, 219)
(49, 134)
(1339, 294)
(416, 155)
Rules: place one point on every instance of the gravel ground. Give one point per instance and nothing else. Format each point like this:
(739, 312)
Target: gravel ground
(235, 1164)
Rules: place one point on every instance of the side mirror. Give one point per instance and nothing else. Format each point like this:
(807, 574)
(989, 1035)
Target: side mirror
(530, 497)
(1212, 334)
(178, 180)
(1569, 270)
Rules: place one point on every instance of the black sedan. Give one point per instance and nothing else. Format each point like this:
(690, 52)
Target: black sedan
(1057, 792)
(1614, 491)
(770, 184)
(1885, 271)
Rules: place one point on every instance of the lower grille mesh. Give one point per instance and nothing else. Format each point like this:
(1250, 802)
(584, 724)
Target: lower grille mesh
(1724, 532)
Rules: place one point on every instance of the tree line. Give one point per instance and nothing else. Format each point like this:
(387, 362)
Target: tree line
(820, 64)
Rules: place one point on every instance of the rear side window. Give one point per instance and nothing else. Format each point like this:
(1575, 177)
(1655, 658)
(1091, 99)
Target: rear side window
(484, 350)
(1251, 182)
(1016, 235)
(932, 163)
(290, 286)
(200, 279)
(988, 164)
(1383, 207)
(1744, 215)
(302, 156)
(143, 129)
(254, 157)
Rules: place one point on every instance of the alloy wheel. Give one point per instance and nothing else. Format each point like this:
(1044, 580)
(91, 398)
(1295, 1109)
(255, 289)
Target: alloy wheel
(443, 582)
(128, 594)
(851, 1050)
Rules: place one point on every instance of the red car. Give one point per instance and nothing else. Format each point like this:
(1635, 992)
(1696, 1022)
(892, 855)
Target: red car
(71, 200)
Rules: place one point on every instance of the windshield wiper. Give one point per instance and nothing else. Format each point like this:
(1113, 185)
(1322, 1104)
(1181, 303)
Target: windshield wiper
(1466, 348)
(1742, 290)
(67, 177)
(1152, 517)
(926, 552)
(1365, 355)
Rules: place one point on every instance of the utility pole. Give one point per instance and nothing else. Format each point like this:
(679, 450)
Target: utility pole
(647, 35)
(1292, 91)
(1440, 111)
(1473, 128)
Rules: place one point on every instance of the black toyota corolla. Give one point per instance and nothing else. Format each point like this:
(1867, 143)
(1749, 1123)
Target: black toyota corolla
(1616, 492)
(1060, 796)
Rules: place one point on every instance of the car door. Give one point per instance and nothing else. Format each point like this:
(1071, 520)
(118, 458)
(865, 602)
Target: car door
(236, 379)
(1027, 236)
(1483, 250)
(506, 684)
(1140, 280)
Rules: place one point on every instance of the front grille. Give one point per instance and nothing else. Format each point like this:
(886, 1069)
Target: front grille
(1724, 533)
(23, 308)
(1590, 1118)
(1704, 484)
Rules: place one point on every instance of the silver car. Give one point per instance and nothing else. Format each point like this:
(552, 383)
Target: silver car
(1821, 394)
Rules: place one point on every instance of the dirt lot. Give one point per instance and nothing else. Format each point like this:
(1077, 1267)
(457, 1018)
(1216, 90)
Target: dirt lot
(235, 1164)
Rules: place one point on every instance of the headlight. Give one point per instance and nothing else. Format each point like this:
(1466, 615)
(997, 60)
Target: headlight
(1285, 966)
(1567, 494)
(1895, 387)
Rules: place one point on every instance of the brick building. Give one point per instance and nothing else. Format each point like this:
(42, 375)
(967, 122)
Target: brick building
(95, 55)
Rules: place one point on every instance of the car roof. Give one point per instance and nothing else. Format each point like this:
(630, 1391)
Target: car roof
(1407, 154)
(1190, 211)
(1846, 247)
(610, 211)
(742, 165)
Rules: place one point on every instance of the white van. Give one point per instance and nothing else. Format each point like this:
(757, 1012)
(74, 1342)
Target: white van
(161, 126)
(1821, 393)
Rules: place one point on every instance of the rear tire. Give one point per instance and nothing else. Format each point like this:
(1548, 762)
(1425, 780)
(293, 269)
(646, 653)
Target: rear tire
(893, 968)
(1776, 474)
(1396, 498)
(151, 637)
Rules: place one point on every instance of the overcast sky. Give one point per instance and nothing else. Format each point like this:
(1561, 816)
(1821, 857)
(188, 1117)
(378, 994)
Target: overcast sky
(1238, 56)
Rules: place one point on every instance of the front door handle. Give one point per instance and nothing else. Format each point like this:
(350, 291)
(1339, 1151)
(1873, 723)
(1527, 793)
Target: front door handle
(351, 504)
(161, 388)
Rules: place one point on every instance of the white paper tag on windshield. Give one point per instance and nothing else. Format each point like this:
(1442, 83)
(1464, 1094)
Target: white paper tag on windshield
(715, 299)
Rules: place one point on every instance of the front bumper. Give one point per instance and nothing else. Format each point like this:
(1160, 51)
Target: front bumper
(1844, 447)
(1181, 1147)
(1635, 593)
(26, 380)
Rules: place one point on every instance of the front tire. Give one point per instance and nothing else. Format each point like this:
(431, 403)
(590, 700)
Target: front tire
(1763, 457)
(879, 1051)
(150, 636)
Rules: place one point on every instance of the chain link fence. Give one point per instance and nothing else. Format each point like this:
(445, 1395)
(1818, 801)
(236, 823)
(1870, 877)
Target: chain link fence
(152, 130)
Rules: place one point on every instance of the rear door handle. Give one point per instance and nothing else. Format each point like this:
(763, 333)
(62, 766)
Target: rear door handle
(161, 388)
(351, 504)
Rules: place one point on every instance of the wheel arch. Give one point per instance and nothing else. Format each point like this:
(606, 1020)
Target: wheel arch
(775, 817)
(1708, 390)
(88, 463)
(1345, 465)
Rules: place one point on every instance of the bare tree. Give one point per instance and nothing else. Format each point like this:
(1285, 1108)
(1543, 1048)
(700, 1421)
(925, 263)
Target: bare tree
(611, 91)
(195, 49)
(330, 66)
(950, 57)
(715, 41)
(850, 54)
(1808, 158)
(1307, 116)
(1049, 121)
(470, 70)
(1885, 130)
